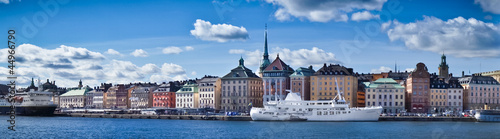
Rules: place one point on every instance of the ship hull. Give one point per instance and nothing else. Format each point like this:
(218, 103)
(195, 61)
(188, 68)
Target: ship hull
(362, 114)
(30, 110)
(488, 116)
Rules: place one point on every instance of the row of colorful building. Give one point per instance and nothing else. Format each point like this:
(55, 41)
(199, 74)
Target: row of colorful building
(417, 91)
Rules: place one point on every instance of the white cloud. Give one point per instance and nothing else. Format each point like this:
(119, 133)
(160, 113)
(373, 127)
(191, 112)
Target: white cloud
(112, 52)
(139, 53)
(4, 1)
(365, 15)
(385, 25)
(489, 5)
(459, 37)
(381, 69)
(295, 58)
(488, 17)
(67, 65)
(204, 30)
(237, 51)
(172, 50)
(193, 73)
(322, 11)
(189, 48)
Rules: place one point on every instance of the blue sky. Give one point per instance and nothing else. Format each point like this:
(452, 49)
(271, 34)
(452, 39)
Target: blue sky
(95, 41)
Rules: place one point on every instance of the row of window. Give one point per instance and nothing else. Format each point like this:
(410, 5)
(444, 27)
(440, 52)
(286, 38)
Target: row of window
(385, 96)
(489, 94)
(385, 104)
(340, 88)
(449, 103)
(444, 96)
(444, 91)
(326, 78)
(385, 90)
(484, 89)
(234, 101)
(240, 81)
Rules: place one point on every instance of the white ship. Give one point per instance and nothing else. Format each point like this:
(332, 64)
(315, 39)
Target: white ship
(31, 103)
(487, 115)
(293, 108)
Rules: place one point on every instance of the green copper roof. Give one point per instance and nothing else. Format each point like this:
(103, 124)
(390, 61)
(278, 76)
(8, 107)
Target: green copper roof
(77, 92)
(383, 81)
(303, 72)
(188, 88)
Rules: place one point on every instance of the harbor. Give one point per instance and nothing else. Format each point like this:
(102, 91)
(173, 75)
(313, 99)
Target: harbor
(248, 118)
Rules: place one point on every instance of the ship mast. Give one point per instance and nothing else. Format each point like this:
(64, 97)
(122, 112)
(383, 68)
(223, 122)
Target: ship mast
(338, 91)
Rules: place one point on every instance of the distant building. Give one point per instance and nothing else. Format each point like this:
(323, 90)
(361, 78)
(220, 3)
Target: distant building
(187, 96)
(300, 82)
(110, 97)
(276, 78)
(455, 96)
(438, 95)
(209, 92)
(385, 92)
(417, 90)
(494, 74)
(480, 90)
(241, 89)
(164, 96)
(323, 84)
(142, 97)
(74, 98)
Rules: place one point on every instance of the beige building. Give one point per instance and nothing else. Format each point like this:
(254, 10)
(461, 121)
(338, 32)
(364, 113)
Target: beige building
(323, 85)
(74, 98)
(480, 90)
(241, 89)
(209, 92)
(385, 92)
(187, 96)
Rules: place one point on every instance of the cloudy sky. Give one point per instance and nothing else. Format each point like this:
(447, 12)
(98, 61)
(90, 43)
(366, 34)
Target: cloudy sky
(156, 41)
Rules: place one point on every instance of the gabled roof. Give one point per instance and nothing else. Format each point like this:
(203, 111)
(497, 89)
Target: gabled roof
(278, 65)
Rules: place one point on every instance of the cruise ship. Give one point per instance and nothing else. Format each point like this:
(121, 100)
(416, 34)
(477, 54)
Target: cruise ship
(30, 103)
(293, 108)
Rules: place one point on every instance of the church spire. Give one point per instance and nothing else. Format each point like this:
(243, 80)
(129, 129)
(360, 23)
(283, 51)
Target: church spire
(266, 55)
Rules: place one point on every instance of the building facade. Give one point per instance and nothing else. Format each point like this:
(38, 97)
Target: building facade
(276, 79)
(494, 74)
(417, 90)
(323, 84)
(438, 95)
(187, 96)
(209, 92)
(480, 90)
(241, 89)
(387, 93)
(141, 96)
(455, 97)
(300, 82)
(110, 98)
(164, 96)
(74, 98)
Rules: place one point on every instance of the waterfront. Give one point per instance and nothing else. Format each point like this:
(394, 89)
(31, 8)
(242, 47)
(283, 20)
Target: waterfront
(79, 127)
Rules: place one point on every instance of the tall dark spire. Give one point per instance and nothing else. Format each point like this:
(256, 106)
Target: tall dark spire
(266, 55)
(242, 62)
(265, 59)
(32, 82)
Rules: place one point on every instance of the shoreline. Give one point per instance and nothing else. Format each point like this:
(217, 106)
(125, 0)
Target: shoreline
(248, 118)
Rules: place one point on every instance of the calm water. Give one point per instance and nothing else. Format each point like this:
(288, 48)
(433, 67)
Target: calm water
(76, 127)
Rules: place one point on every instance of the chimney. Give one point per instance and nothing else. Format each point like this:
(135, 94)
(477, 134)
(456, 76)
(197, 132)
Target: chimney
(463, 74)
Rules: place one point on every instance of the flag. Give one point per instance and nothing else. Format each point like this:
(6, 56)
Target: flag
(250, 104)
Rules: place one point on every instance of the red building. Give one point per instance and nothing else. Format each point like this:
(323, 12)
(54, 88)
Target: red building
(417, 90)
(164, 96)
(163, 99)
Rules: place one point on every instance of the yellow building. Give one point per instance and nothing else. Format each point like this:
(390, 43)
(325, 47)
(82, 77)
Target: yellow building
(323, 84)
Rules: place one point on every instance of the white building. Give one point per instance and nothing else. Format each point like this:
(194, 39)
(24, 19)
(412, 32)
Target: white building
(74, 98)
(209, 92)
(141, 96)
(480, 90)
(385, 92)
(187, 96)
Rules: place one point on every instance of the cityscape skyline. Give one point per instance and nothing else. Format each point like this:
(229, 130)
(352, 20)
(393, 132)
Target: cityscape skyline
(170, 40)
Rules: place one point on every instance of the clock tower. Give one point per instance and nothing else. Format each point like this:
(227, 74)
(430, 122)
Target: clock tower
(443, 68)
